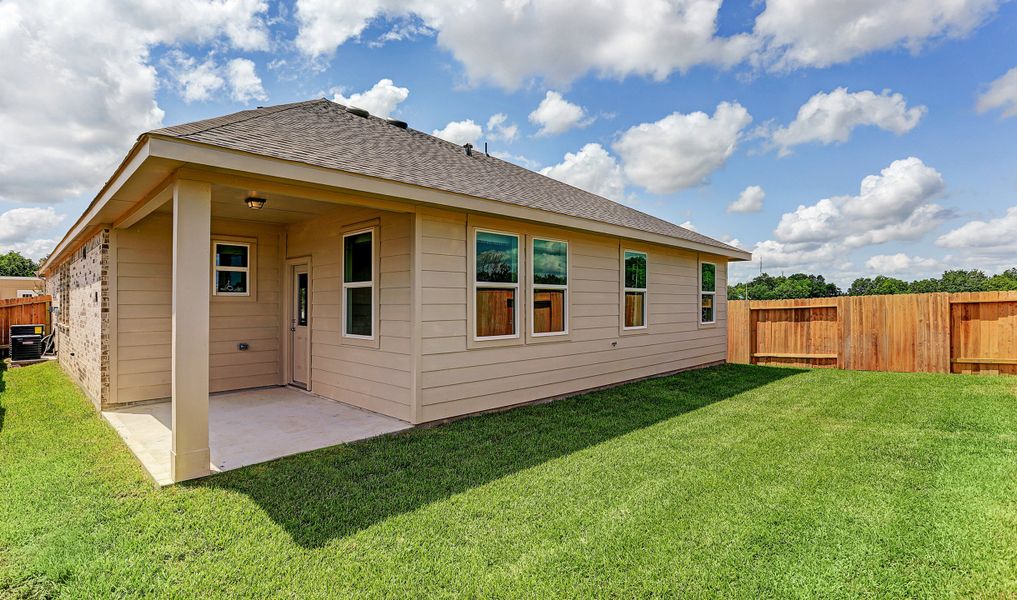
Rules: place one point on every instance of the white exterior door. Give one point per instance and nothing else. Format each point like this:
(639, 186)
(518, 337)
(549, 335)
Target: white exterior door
(300, 326)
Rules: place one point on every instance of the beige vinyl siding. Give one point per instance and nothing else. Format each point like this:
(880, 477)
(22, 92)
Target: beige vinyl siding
(144, 288)
(373, 376)
(457, 381)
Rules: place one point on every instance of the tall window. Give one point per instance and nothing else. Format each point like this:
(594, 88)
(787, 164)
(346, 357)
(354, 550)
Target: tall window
(358, 284)
(231, 269)
(635, 290)
(550, 287)
(708, 292)
(496, 285)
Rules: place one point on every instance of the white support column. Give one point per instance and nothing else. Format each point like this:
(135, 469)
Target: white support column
(192, 210)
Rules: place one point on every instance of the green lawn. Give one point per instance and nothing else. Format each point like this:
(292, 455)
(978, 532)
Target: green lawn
(734, 481)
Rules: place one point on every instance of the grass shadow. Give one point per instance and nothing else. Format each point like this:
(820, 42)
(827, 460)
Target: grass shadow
(334, 492)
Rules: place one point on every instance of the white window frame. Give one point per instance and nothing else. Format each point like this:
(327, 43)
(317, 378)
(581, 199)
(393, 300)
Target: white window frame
(359, 284)
(713, 294)
(216, 268)
(544, 286)
(497, 286)
(644, 290)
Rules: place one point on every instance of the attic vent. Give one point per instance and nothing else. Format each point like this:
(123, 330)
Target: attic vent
(468, 147)
(353, 110)
(397, 123)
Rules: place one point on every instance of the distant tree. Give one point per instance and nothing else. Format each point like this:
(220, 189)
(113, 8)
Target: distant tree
(963, 281)
(1007, 280)
(924, 286)
(13, 264)
(878, 285)
(798, 285)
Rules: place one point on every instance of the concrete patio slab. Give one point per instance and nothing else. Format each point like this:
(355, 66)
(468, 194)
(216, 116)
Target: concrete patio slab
(249, 427)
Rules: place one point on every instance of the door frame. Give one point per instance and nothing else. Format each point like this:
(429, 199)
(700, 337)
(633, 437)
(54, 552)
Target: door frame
(287, 316)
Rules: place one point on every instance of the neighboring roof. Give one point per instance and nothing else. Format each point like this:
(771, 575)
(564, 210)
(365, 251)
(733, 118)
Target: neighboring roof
(18, 278)
(324, 134)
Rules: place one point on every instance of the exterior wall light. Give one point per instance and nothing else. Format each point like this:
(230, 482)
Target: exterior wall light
(255, 202)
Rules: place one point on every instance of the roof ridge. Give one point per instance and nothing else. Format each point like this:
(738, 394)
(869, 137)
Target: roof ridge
(322, 132)
(258, 113)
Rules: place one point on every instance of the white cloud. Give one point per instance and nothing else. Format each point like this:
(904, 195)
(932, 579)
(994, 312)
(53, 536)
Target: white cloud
(688, 225)
(79, 87)
(807, 257)
(557, 115)
(901, 263)
(681, 150)
(20, 228)
(894, 205)
(749, 201)
(731, 241)
(815, 33)
(499, 129)
(1002, 94)
(381, 100)
(22, 224)
(201, 81)
(460, 132)
(592, 169)
(245, 85)
(997, 235)
(511, 42)
(34, 249)
(196, 82)
(831, 117)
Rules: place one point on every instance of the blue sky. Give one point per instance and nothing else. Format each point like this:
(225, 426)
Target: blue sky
(928, 80)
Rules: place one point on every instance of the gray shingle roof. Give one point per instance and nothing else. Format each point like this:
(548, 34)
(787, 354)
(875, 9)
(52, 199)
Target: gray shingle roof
(324, 134)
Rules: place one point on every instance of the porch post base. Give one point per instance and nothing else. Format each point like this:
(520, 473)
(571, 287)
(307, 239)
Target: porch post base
(190, 465)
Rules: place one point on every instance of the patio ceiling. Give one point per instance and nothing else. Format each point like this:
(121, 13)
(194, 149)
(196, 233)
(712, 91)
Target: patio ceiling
(228, 203)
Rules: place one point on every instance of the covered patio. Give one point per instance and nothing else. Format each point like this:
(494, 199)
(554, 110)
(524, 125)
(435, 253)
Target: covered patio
(248, 427)
(249, 354)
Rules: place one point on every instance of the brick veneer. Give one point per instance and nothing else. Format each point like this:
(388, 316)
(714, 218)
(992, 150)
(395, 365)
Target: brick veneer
(83, 329)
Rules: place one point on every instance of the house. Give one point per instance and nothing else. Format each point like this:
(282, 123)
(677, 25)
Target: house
(20, 287)
(313, 246)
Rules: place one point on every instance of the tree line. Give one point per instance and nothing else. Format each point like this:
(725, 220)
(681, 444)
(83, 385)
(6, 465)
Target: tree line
(804, 285)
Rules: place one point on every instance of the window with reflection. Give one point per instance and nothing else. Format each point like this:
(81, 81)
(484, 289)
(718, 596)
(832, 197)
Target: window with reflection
(707, 292)
(358, 284)
(231, 269)
(635, 290)
(496, 284)
(550, 287)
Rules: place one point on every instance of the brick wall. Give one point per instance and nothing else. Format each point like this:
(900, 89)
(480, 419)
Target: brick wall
(82, 283)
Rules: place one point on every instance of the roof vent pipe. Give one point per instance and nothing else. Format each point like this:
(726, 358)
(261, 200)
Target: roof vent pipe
(468, 147)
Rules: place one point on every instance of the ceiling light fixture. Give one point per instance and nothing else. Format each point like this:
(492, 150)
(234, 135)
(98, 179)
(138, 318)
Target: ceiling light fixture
(255, 202)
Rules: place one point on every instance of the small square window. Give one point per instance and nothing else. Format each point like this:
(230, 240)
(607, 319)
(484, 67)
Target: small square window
(231, 269)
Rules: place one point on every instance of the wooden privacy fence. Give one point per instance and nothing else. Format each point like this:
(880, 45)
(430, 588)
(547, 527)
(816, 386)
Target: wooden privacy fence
(22, 311)
(938, 333)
